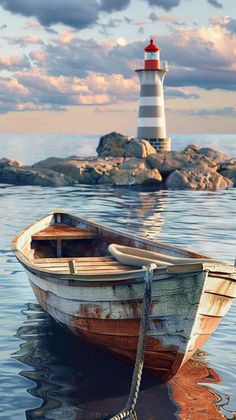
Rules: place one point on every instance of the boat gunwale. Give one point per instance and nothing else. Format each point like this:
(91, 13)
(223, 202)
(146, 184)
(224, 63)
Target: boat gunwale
(111, 279)
(109, 230)
(195, 266)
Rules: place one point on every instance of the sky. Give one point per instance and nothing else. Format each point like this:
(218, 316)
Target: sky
(68, 66)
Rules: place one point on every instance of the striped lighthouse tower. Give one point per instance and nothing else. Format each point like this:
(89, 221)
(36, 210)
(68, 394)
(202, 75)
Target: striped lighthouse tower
(151, 117)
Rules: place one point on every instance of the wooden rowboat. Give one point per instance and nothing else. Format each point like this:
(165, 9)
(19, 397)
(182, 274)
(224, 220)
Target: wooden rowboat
(88, 285)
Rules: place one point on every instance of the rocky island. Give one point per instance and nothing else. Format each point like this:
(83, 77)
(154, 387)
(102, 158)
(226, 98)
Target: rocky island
(125, 161)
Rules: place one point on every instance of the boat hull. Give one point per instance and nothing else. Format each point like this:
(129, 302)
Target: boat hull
(100, 300)
(186, 309)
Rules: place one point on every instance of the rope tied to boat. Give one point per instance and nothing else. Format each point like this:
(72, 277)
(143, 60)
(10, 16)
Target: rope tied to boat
(129, 410)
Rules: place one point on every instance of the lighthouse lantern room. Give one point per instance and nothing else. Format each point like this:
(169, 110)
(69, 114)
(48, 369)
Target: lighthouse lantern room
(151, 118)
(152, 56)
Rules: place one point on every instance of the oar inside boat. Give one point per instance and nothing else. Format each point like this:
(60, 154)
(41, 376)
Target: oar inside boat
(140, 257)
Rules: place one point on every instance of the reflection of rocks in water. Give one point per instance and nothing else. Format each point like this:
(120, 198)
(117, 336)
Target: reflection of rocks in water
(78, 382)
(142, 211)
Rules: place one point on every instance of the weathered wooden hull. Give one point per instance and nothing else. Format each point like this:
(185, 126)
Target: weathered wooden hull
(183, 315)
(104, 308)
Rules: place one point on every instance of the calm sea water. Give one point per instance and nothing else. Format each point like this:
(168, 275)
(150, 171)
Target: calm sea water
(45, 373)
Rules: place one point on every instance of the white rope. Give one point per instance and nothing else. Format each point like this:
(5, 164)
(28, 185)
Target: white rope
(128, 411)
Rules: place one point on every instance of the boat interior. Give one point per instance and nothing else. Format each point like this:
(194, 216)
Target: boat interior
(66, 245)
(63, 248)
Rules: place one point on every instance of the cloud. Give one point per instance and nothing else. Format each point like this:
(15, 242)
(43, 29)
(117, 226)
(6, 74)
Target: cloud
(79, 57)
(104, 110)
(141, 30)
(23, 41)
(172, 93)
(2, 27)
(35, 90)
(14, 62)
(215, 3)
(79, 14)
(204, 57)
(12, 94)
(111, 24)
(165, 4)
(167, 19)
(73, 71)
(229, 24)
(114, 5)
(213, 113)
(170, 4)
(74, 13)
(33, 24)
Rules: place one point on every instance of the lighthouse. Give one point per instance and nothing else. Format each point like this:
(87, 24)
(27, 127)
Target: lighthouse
(151, 116)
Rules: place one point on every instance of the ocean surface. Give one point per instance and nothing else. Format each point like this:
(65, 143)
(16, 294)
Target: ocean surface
(47, 374)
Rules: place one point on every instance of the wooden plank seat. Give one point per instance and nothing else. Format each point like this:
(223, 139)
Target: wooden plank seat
(81, 265)
(60, 231)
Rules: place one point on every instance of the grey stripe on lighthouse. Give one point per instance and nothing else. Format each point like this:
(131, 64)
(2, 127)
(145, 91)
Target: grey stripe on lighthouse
(151, 132)
(151, 90)
(151, 111)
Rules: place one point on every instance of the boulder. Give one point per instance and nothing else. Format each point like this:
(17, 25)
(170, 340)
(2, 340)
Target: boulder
(89, 175)
(229, 171)
(191, 148)
(228, 164)
(9, 162)
(213, 154)
(49, 163)
(138, 149)
(112, 144)
(82, 170)
(148, 177)
(134, 164)
(118, 176)
(65, 167)
(197, 178)
(167, 162)
(27, 176)
(117, 145)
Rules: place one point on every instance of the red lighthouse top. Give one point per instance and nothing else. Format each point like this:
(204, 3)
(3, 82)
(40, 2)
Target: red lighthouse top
(152, 56)
(151, 47)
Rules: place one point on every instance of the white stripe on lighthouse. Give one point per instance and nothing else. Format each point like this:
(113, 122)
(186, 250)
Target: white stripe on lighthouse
(151, 101)
(151, 122)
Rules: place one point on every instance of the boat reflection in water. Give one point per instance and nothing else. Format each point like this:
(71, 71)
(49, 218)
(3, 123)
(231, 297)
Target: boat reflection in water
(76, 381)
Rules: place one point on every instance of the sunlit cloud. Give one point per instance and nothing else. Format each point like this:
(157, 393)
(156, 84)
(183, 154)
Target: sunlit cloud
(14, 62)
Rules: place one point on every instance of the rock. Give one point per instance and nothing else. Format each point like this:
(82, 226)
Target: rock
(27, 176)
(134, 163)
(9, 162)
(138, 149)
(112, 144)
(228, 164)
(49, 163)
(148, 177)
(213, 154)
(118, 176)
(191, 148)
(127, 161)
(197, 178)
(82, 170)
(230, 173)
(117, 145)
(89, 175)
(167, 162)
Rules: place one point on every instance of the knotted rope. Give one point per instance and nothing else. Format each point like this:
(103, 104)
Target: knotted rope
(128, 411)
